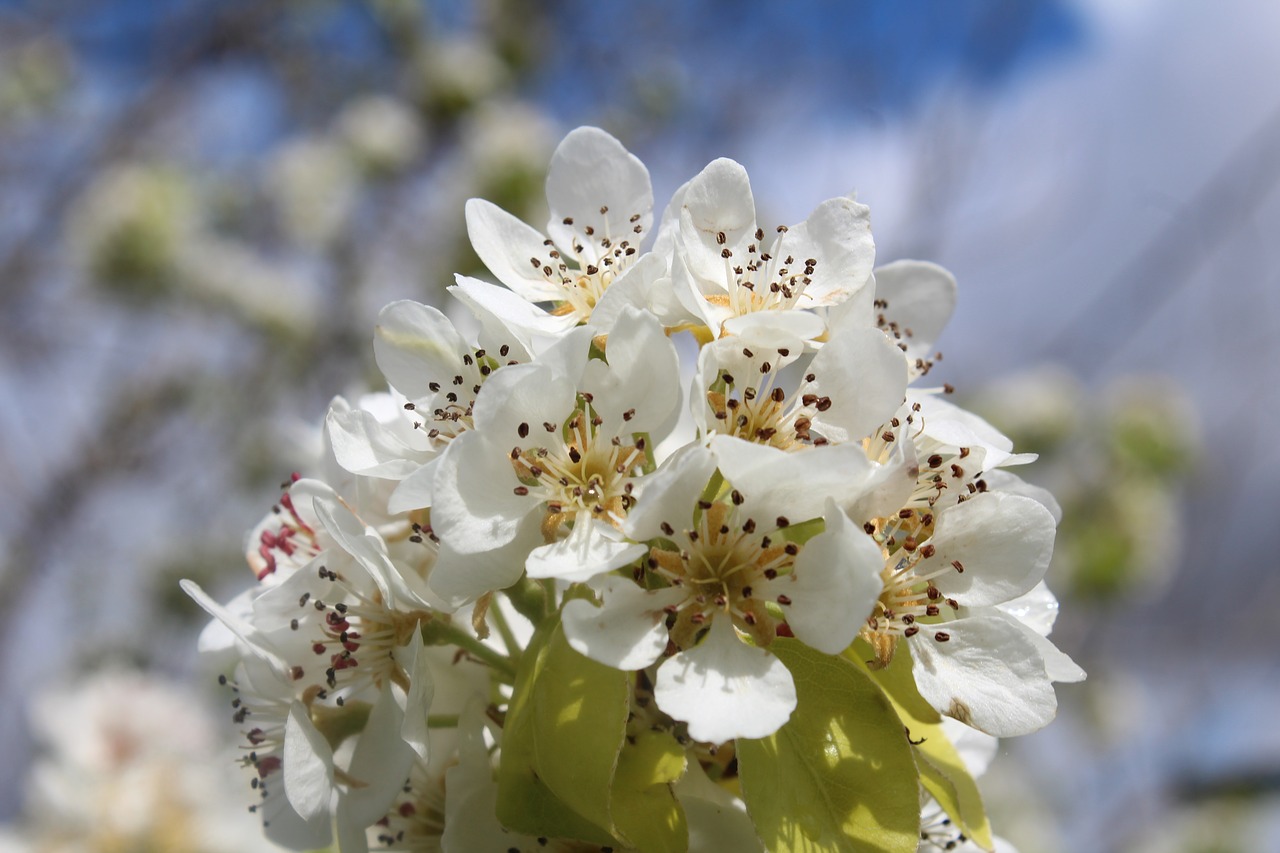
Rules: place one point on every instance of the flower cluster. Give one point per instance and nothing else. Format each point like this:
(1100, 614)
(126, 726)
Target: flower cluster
(671, 529)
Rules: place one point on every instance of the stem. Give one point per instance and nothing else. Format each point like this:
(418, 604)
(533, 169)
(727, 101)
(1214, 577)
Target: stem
(439, 632)
(529, 599)
(508, 636)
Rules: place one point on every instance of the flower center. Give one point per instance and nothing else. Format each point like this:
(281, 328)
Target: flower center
(282, 539)
(759, 410)
(591, 265)
(580, 477)
(761, 281)
(723, 565)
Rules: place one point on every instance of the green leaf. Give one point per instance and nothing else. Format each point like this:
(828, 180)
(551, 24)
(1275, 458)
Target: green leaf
(568, 769)
(646, 814)
(839, 776)
(563, 731)
(942, 771)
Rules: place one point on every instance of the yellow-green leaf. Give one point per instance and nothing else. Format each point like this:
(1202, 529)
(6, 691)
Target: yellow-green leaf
(839, 776)
(646, 814)
(942, 771)
(560, 742)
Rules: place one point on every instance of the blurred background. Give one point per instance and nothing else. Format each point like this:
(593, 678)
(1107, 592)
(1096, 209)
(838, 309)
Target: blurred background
(206, 203)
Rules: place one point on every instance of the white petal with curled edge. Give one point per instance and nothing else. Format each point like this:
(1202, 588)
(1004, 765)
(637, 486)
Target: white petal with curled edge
(834, 586)
(363, 446)
(921, 297)
(725, 689)
(717, 819)
(988, 674)
(1003, 543)
(415, 345)
(669, 493)
(717, 200)
(508, 248)
(380, 762)
(519, 318)
(245, 632)
(475, 506)
(591, 548)
(628, 631)
(308, 765)
(591, 170)
(777, 484)
(865, 377)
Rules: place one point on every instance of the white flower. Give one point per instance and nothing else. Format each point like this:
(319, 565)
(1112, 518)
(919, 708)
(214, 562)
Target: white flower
(601, 205)
(439, 374)
(851, 386)
(726, 566)
(727, 271)
(944, 581)
(545, 478)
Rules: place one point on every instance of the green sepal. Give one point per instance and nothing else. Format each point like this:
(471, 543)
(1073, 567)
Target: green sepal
(942, 771)
(839, 775)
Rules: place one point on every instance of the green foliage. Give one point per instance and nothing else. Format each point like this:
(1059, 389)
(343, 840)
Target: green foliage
(840, 775)
(568, 768)
(942, 772)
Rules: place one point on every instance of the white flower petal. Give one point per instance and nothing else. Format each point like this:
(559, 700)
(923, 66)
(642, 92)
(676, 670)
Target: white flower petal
(528, 394)
(414, 730)
(1036, 608)
(308, 765)
(865, 376)
(508, 247)
(415, 345)
(363, 446)
(1000, 480)
(717, 201)
(591, 548)
(834, 586)
(921, 297)
(801, 324)
(837, 235)
(414, 491)
(628, 631)
(1002, 542)
(475, 506)
(794, 486)
(459, 578)
(988, 674)
(725, 689)
(642, 364)
(669, 493)
(380, 762)
(591, 170)
(518, 318)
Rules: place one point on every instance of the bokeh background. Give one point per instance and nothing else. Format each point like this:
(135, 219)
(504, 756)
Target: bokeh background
(206, 202)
